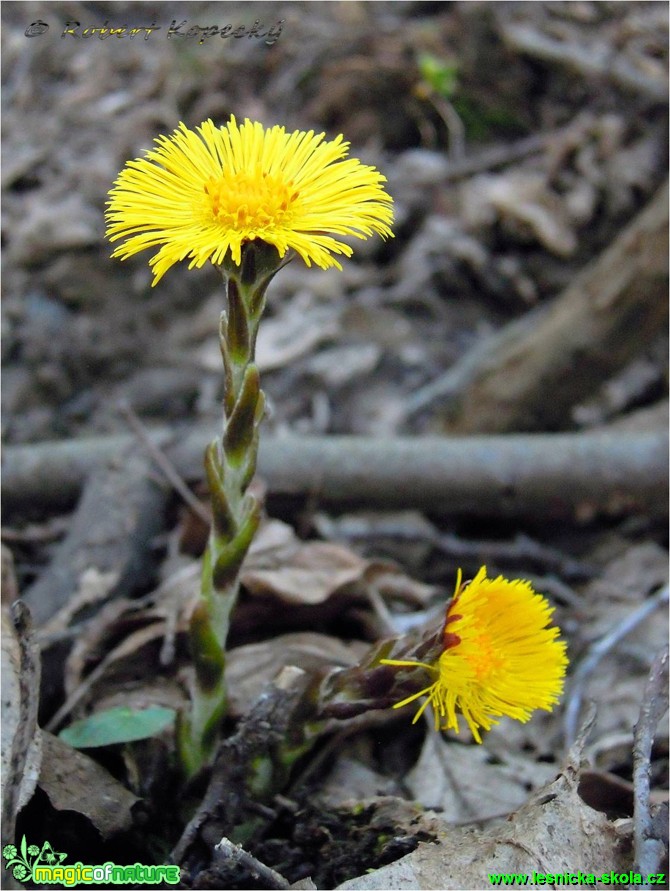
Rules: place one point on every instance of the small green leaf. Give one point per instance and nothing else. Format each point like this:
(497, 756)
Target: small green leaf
(441, 75)
(117, 725)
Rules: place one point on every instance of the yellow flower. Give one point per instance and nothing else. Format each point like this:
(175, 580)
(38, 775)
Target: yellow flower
(499, 657)
(203, 194)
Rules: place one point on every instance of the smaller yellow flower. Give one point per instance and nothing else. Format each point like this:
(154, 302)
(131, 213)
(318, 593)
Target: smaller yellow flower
(500, 656)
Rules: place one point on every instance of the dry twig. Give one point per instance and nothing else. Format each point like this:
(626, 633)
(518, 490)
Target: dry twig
(649, 849)
(599, 649)
(164, 464)
(225, 853)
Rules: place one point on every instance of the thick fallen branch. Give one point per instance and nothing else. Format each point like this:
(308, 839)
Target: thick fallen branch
(118, 516)
(531, 373)
(547, 475)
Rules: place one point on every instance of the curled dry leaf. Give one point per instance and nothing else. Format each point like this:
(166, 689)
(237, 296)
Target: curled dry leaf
(131, 665)
(21, 741)
(336, 366)
(114, 635)
(301, 323)
(298, 328)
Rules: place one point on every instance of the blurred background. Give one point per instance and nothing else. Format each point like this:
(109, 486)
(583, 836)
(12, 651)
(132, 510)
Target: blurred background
(517, 139)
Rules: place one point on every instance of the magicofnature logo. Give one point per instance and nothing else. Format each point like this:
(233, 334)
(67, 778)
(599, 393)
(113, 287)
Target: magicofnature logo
(22, 862)
(45, 866)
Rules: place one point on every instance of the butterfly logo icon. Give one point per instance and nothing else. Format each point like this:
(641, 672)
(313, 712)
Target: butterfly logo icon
(49, 856)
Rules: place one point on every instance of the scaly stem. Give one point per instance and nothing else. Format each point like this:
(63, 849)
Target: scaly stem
(230, 464)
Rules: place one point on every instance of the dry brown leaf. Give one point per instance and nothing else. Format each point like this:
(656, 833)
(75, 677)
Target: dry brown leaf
(391, 582)
(523, 200)
(616, 687)
(133, 656)
(625, 582)
(299, 326)
(617, 682)
(466, 783)
(280, 565)
(74, 782)
(251, 667)
(130, 666)
(351, 780)
(316, 571)
(336, 366)
(115, 633)
(273, 536)
(94, 586)
(554, 832)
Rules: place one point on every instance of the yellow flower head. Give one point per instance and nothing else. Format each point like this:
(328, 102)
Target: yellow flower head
(203, 194)
(500, 656)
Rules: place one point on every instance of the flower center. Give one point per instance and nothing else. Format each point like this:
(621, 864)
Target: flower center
(244, 201)
(483, 657)
(473, 658)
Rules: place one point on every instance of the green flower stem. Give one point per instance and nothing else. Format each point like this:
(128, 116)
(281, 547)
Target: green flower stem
(230, 464)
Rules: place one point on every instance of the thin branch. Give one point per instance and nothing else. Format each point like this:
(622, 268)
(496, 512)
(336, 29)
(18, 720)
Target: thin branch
(495, 156)
(600, 649)
(225, 852)
(522, 550)
(649, 849)
(164, 464)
